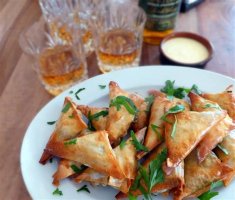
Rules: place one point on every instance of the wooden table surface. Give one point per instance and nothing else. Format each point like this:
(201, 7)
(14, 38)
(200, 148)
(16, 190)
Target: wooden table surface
(22, 96)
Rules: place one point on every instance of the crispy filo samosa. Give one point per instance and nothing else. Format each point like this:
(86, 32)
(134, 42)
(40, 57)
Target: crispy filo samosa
(226, 154)
(161, 104)
(175, 179)
(96, 116)
(93, 150)
(184, 131)
(65, 169)
(216, 134)
(126, 156)
(226, 100)
(199, 176)
(68, 126)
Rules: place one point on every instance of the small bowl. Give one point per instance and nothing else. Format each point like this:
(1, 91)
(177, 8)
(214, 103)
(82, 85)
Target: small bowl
(205, 44)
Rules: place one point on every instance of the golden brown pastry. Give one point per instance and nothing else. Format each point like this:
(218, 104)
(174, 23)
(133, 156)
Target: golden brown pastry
(99, 122)
(198, 177)
(225, 99)
(216, 134)
(185, 131)
(126, 156)
(64, 170)
(119, 118)
(176, 179)
(228, 155)
(69, 125)
(92, 150)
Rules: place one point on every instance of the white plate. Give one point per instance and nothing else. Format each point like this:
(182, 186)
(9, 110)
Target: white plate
(38, 178)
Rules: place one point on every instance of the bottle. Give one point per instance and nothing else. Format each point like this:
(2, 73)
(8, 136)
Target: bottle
(161, 18)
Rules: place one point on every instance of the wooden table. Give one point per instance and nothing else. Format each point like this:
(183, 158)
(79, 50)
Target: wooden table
(22, 96)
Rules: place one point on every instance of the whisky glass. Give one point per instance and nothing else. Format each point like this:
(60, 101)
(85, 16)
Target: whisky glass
(118, 33)
(53, 10)
(58, 64)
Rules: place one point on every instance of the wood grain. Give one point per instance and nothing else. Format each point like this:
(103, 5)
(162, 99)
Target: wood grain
(22, 96)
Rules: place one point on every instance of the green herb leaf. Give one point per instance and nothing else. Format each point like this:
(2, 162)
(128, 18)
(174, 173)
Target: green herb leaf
(90, 126)
(76, 169)
(66, 107)
(71, 116)
(122, 143)
(76, 93)
(156, 174)
(209, 105)
(196, 90)
(51, 123)
(223, 149)
(216, 184)
(57, 192)
(137, 144)
(174, 128)
(131, 197)
(149, 100)
(169, 89)
(154, 128)
(70, 142)
(84, 188)
(102, 86)
(71, 92)
(173, 110)
(210, 194)
(136, 182)
(96, 116)
(51, 160)
(126, 102)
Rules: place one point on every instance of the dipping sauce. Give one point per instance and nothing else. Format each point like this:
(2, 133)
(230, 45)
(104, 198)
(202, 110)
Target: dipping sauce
(185, 50)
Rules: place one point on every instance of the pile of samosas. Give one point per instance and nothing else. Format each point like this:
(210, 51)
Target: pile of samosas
(143, 146)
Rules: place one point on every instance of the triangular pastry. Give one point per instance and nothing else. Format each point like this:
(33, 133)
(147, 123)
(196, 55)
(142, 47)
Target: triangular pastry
(92, 150)
(69, 125)
(225, 99)
(198, 177)
(189, 128)
(216, 134)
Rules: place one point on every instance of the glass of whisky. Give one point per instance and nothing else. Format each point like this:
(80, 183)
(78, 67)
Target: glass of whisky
(59, 64)
(118, 34)
(54, 10)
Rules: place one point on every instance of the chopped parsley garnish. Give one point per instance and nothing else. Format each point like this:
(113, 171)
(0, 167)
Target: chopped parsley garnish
(174, 128)
(71, 116)
(209, 105)
(71, 92)
(126, 102)
(173, 110)
(179, 92)
(76, 93)
(131, 197)
(196, 90)
(76, 169)
(210, 194)
(57, 192)
(137, 144)
(150, 177)
(66, 107)
(84, 188)
(95, 116)
(51, 123)
(155, 129)
(149, 100)
(122, 143)
(223, 149)
(102, 86)
(70, 142)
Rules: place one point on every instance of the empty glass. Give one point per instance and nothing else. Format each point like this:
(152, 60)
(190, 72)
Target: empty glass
(117, 33)
(59, 63)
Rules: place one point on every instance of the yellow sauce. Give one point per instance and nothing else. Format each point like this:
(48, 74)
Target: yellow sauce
(185, 50)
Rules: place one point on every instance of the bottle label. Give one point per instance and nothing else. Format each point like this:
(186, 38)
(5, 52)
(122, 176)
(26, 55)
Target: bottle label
(161, 14)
